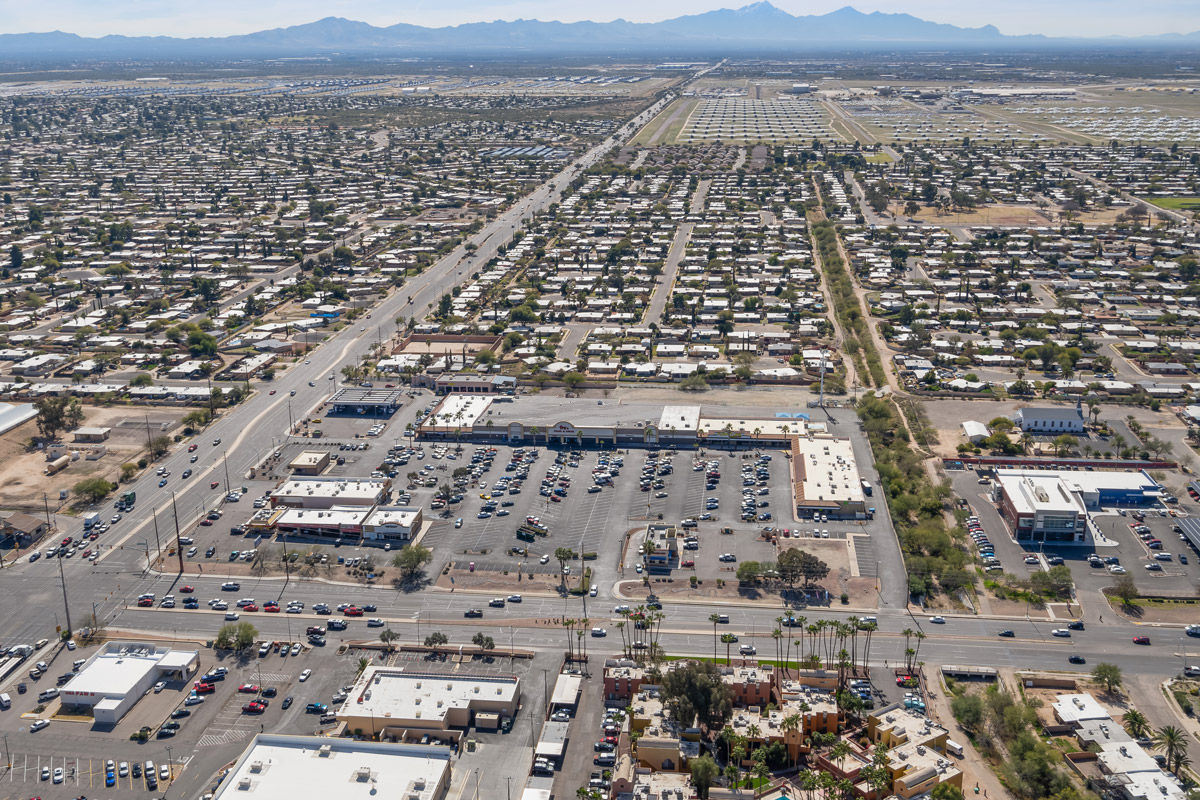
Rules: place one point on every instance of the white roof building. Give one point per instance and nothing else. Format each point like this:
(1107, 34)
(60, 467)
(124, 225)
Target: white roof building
(116, 677)
(277, 767)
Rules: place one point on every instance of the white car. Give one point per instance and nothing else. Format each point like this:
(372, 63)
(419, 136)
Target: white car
(599, 632)
(296, 649)
(58, 774)
(592, 592)
(374, 622)
(231, 615)
(158, 687)
(38, 724)
(304, 675)
(1061, 632)
(938, 620)
(193, 700)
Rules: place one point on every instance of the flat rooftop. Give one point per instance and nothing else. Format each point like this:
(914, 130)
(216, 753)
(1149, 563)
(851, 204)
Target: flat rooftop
(1040, 492)
(1089, 482)
(830, 471)
(116, 671)
(367, 397)
(458, 411)
(347, 490)
(404, 516)
(276, 767)
(408, 695)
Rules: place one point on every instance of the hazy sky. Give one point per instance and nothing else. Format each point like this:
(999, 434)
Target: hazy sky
(222, 17)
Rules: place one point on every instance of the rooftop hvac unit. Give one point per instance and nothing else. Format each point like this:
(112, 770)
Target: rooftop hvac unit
(362, 774)
(256, 766)
(325, 750)
(244, 784)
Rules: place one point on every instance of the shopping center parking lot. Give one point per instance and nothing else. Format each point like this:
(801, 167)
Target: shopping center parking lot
(597, 521)
(1121, 542)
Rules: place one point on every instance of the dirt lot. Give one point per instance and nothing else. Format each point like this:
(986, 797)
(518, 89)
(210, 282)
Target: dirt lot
(22, 471)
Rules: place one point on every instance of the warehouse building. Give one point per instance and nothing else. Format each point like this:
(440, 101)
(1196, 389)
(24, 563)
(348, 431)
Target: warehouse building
(280, 767)
(392, 702)
(115, 678)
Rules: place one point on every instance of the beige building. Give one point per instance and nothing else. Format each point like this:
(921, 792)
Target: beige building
(310, 462)
(392, 701)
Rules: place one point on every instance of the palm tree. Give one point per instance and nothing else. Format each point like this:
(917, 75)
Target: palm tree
(1136, 724)
(715, 619)
(1173, 742)
(761, 773)
(727, 639)
(791, 722)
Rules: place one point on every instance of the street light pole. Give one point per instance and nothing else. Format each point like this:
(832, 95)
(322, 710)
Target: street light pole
(66, 604)
(178, 545)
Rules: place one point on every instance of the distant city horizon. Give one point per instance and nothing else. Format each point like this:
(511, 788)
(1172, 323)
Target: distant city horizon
(222, 18)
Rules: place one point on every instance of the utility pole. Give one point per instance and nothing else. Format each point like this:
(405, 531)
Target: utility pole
(225, 459)
(66, 604)
(178, 545)
(149, 443)
(46, 501)
(157, 543)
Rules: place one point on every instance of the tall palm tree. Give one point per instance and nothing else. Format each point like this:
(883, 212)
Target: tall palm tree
(714, 619)
(791, 722)
(1173, 742)
(728, 639)
(1136, 724)
(762, 774)
(777, 636)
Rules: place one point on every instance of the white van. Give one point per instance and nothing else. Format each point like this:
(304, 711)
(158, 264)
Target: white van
(954, 748)
(5, 702)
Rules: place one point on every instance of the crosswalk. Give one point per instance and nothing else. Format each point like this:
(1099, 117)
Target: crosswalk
(229, 736)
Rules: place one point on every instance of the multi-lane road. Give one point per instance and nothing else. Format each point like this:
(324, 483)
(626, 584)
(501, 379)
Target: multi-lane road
(242, 437)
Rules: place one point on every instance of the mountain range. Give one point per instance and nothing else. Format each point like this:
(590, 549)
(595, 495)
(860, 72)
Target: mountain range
(760, 27)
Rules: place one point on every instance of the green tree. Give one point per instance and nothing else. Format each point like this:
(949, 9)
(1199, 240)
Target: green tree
(1108, 674)
(563, 555)
(573, 380)
(704, 774)
(236, 636)
(160, 445)
(387, 636)
(695, 692)
(968, 710)
(410, 560)
(436, 639)
(946, 791)
(128, 470)
(52, 415)
(142, 379)
(1125, 590)
(92, 490)
(1174, 743)
(483, 641)
(1136, 724)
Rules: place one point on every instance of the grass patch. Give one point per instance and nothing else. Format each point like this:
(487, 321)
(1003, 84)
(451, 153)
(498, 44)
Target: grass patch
(1175, 203)
(879, 158)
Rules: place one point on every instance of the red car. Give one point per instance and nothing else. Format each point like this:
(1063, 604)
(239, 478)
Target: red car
(248, 688)
(1141, 640)
(254, 707)
(146, 602)
(271, 607)
(214, 484)
(191, 447)
(250, 607)
(66, 541)
(353, 611)
(203, 688)
(187, 589)
(206, 522)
